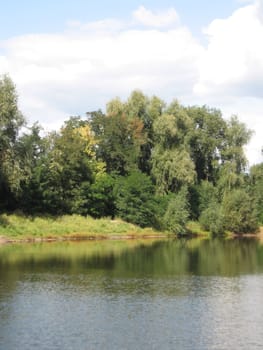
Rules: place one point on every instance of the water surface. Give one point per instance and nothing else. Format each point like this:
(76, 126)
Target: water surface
(181, 294)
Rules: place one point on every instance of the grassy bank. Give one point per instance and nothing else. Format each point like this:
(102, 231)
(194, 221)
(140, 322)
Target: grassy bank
(25, 228)
(18, 227)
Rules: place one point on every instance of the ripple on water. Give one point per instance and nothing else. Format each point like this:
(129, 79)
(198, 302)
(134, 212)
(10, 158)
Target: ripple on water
(151, 307)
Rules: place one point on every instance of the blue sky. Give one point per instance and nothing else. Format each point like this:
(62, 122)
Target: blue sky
(45, 16)
(70, 57)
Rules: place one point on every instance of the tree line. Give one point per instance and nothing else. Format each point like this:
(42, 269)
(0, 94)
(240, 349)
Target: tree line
(145, 161)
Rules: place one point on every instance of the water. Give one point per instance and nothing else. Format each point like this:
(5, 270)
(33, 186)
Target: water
(182, 294)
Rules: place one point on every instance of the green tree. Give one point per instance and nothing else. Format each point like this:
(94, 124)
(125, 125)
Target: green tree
(147, 110)
(236, 137)
(119, 139)
(32, 150)
(135, 199)
(172, 166)
(100, 197)
(233, 159)
(239, 212)
(70, 169)
(11, 121)
(206, 140)
(201, 196)
(212, 218)
(256, 184)
(177, 213)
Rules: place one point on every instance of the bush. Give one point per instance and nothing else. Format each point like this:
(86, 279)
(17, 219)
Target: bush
(177, 213)
(239, 212)
(212, 219)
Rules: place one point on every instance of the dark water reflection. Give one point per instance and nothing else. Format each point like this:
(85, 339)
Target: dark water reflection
(182, 294)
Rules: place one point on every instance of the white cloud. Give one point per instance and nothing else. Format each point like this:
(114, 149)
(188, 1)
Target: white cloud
(234, 57)
(158, 19)
(231, 69)
(84, 67)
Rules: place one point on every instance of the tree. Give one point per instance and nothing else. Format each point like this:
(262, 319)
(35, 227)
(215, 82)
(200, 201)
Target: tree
(236, 137)
(135, 199)
(32, 150)
(177, 213)
(239, 212)
(11, 121)
(212, 218)
(119, 139)
(69, 169)
(206, 140)
(101, 197)
(256, 185)
(147, 110)
(201, 196)
(172, 166)
(172, 169)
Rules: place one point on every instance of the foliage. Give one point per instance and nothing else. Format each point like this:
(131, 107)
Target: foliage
(135, 199)
(207, 194)
(118, 140)
(177, 213)
(11, 121)
(239, 212)
(172, 166)
(256, 188)
(148, 163)
(212, 219)
(206, 140)
(100, 197)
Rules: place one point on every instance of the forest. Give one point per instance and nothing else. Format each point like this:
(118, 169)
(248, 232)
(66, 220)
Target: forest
(147, 162)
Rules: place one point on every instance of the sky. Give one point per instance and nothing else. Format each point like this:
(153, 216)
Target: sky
(70, 57)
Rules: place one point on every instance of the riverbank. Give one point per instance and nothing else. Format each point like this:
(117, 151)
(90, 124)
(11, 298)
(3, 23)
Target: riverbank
(19, 228)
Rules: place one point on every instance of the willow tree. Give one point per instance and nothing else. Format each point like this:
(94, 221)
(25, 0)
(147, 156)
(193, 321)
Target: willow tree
(172, 166)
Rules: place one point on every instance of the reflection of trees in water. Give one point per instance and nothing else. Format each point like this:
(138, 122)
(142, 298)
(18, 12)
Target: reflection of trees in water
(152, 259)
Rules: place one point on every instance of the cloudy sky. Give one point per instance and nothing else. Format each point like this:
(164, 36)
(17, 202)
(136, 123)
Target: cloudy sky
(69, 57)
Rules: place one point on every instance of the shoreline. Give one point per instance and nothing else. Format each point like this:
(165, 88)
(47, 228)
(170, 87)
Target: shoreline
(16, 228)
(83, 238)
(113, 237)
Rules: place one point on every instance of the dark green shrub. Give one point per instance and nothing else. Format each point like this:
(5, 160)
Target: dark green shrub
(135, 201)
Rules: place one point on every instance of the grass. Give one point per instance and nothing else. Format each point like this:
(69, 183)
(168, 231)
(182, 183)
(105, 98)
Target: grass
(196, 229)
(20, 227)
(16, 227)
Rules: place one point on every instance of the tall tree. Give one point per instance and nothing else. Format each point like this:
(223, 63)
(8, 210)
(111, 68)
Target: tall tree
(233, 158)
(68, 171)
(206, 140)
(256, 183)
(147, 110)
(172, 166)
(119, 139)
(11, 121)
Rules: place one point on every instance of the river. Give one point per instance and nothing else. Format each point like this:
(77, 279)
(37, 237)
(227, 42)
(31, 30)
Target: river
(152, 294)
